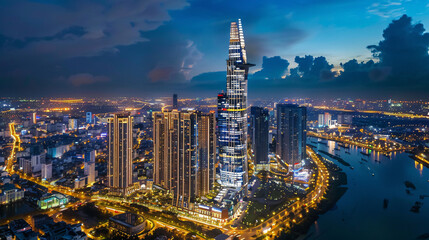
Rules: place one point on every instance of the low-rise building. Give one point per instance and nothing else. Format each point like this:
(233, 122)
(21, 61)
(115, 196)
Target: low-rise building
(128, 223)
(9, 193)
(62, 230)
(51, 201)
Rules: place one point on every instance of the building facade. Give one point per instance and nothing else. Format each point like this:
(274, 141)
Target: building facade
(185, 153)
(233, 155)
(291, 134)
(120, 128)
(259, 137)
(206, 152)
(46, 171)
(175, 105)
(89, 117)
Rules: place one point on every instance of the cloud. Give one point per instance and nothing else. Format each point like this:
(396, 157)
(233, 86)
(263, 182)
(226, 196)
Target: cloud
(312, 69)
(387, 9)
(400, 69)
(404, 50)
(81, 79)
(104, 25)
(272, 68)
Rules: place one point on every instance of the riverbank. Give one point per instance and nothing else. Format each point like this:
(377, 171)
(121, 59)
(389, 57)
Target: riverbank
(334, 192)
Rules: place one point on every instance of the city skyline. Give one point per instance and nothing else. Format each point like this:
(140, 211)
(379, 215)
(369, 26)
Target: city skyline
(119, 120)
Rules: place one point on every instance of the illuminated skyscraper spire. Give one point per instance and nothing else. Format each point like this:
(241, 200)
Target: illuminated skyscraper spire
(233, 152)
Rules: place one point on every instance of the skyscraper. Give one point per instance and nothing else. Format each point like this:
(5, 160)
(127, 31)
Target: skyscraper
(206, 152)
(175, 143)
(291, 134)
(233, 155)
(175, 105)
(120, 153)
(259, 137)
(221, 127)
(184, 151)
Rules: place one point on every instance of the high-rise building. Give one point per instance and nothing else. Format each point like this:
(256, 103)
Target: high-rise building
(175, 106)
(89, 171)
(89, 156)
(184, 151)
(291, 134)
(328, 119)
(73, 124)
(119, 170)
(233, 155)
(89, 117)
(221, 127)
(206, 152)
(259, 137)
(46, 171)
(321, 120)
(34, 118)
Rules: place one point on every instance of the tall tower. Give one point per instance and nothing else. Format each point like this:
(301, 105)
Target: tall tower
(184, 152)
(175, 105)
(291, 134)
(259, 137)
(206, 152)
(120, 153)
(233, 157)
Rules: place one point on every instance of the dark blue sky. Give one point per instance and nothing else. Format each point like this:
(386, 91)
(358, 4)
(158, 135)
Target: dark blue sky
(156, 47)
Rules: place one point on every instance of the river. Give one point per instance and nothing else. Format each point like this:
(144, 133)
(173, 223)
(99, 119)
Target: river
(13, 209)
(360, 214)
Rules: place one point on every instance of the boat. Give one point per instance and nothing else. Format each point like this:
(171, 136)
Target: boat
(366, 154)
(363, 159)
(347, 152)
(352, 168)
(373, 174)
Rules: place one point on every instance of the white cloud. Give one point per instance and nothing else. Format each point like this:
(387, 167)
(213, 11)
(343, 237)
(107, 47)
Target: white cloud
(387, 9)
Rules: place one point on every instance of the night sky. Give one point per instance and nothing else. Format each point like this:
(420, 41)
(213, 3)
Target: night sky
(323, 48)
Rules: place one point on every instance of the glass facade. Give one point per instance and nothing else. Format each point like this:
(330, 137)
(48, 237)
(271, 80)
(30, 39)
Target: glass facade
(52, 201)
(233, 152)
(291, 134)
(258, 134)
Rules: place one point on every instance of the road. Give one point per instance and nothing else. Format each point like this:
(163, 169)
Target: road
(274, 225)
